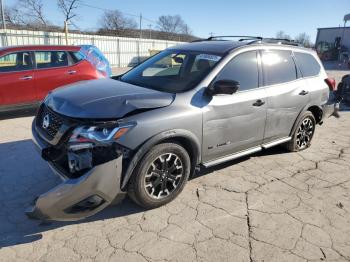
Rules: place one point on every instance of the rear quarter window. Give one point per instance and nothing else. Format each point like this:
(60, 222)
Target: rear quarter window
(308, 64)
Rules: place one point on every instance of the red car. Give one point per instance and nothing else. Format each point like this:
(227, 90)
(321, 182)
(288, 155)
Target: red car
(28, 73)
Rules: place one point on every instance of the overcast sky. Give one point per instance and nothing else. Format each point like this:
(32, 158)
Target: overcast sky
(239, 17)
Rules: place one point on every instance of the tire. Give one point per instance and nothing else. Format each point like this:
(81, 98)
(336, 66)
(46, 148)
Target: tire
(155, 182)
(303, 134)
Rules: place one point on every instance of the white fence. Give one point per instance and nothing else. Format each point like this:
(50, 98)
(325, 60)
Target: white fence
(120, 51)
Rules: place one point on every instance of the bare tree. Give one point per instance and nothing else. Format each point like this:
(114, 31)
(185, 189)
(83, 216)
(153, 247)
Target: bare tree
(26, 13)
(14, 16)
(172, 24)
(303, 39)
(33, 10)
(68, 8)
(282, 35)
(116, 21)
(186, 30)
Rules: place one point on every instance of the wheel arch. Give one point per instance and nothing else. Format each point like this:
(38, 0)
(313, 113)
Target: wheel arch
(183, 137)
(316, 111)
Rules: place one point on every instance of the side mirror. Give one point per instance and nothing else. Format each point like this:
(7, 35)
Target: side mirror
(223, 87)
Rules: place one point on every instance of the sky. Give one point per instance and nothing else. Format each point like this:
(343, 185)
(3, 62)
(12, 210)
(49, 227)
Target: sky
(221, 17)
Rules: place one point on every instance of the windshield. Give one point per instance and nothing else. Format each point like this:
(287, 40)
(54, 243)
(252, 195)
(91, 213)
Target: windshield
(172, 71)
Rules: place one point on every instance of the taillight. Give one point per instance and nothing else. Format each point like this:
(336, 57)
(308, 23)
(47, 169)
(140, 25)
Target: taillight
(331, 84)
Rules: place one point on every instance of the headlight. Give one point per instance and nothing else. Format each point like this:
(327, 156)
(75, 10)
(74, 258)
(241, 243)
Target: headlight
(100, 133)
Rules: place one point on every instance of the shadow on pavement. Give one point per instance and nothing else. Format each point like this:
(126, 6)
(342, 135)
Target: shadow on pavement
(23, 176)
(18, 114)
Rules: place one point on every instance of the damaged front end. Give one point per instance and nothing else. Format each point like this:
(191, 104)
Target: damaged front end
(89, 161)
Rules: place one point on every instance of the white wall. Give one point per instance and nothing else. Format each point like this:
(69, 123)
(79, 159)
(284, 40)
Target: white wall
(120, 51)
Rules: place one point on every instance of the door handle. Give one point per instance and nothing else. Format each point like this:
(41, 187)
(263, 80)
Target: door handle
(26, 78)
(303, 93)
(72, 72)
(259, 102)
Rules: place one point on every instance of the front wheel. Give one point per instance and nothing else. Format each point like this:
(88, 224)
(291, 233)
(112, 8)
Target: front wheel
(303, 134)
(160, 176)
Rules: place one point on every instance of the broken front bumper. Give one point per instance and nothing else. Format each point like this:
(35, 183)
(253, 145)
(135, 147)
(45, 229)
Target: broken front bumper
(81, 197)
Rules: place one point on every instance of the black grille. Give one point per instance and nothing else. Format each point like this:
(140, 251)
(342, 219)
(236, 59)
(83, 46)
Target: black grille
(55, 122)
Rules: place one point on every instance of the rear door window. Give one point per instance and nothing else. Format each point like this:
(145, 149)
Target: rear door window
(50, 59)
(279, 67)
(20, 61)
(244, 69)
(307, 64)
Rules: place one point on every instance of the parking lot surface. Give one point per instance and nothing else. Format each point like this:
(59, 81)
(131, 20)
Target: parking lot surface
(272, 206)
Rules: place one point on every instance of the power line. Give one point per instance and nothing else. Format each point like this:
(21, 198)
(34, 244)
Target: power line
(124, 13)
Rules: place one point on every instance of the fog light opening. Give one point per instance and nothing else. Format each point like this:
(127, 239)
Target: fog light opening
(87, 204)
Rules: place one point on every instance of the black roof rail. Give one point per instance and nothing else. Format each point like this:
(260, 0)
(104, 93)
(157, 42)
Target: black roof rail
(242, 38)
(283, 41)
(253, 39)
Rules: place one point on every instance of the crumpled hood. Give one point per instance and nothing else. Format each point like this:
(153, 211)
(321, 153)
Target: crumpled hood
(105, 98)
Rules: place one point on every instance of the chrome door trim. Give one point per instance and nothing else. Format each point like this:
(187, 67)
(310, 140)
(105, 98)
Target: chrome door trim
(276, 142)
(233, 156)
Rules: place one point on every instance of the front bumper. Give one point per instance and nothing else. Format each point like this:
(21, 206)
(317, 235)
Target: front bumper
(78, 198)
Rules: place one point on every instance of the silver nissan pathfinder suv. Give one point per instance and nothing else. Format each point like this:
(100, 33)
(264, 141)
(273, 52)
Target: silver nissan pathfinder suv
(197, 104)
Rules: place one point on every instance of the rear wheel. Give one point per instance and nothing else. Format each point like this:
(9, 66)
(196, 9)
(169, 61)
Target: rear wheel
(303, 134)
(160, 176)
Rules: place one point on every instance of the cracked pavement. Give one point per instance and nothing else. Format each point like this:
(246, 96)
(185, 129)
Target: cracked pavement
(272, 206)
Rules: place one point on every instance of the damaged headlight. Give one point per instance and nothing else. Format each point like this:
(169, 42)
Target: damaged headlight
(103, 133)
(87, 139)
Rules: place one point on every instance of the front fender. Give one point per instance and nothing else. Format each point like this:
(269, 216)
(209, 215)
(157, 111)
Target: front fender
(176, 133)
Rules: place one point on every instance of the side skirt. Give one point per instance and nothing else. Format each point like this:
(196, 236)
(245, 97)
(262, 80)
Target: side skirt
(246, 152)
(276, 142)
(233, 156)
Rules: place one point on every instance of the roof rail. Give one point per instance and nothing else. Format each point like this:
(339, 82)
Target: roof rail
(253, 39)
(282, 41)
(242, 38)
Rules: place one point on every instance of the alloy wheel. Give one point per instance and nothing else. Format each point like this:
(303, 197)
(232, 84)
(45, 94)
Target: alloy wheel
(163, 176)
(305, 133)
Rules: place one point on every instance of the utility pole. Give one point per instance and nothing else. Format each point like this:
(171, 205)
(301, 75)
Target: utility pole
(139, 42)
(66, 31)
(140, 26)
(4, 37)
(150, 32)
(3, 15)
